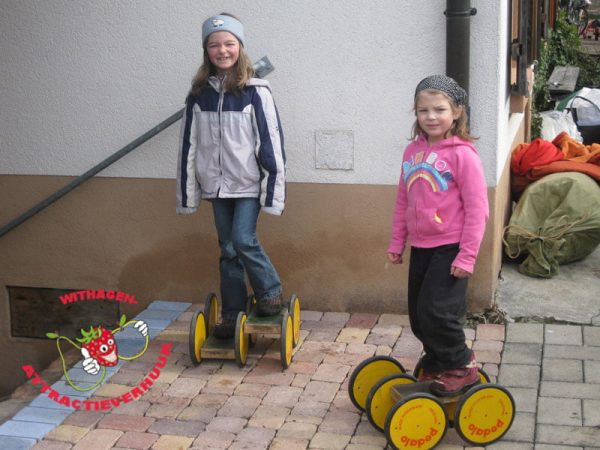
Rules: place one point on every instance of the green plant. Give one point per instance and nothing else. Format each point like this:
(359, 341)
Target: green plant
(562, 48)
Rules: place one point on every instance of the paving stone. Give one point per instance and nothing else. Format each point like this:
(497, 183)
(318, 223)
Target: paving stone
(126, 423)
(239, 406)
(331, 441)
(67, 433)
(297, 430)
(363, 350)
(591, 371)
(85, 419)
(339, 421)
(213, 440)
(489, 332)
(555, 447)
(562, 370)
(366, 434)
(342, 401)
(269, 416)
(346, 359)
(137, 408)
(257, 435)
(487, 357)
(569, 390)
(530, 333)
(43, 415)
(135, 440)
(572, 352)
(271, 375)
(98, 440)
(563, 334)
(30, 430)
(41, 445)
(311, 315)
(522, 428)
(313, 356)
(568, 435)
(387, 330)
(167, 442)
(339, 318)
(362, 320)
(226, 424)
(382, 340)
(525, 399)
(185, 387)
(198, 413)
(256, 390)
(502, 445)
(301, 381)
(288, 444)
(591, 413)
(518, 375)
(394, 319)
(189, 428)
(559, 411)
(408, 346)
(352, 446)
(305, 367)
(210, 400)
(353, 335)
(331, 372)
(322, 336)
(488, 345)
(128, 377)
(520, 353)
(591, 336)
(240, 445)
(167, 407)
(286, 396)
(310, 408)
(319, 391)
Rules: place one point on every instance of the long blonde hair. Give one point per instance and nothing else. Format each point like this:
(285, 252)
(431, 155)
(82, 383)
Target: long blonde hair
(460, 127)
(235, 81)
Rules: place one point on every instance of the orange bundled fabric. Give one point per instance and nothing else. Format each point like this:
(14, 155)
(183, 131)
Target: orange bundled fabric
(530, 162)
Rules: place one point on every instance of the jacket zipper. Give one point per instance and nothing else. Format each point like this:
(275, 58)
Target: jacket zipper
(219, 112)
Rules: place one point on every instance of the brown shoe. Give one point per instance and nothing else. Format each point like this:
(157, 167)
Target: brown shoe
(225, 329)
(456, 381)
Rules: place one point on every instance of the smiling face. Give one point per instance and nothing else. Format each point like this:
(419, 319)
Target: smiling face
(223, 50)
(435, 115)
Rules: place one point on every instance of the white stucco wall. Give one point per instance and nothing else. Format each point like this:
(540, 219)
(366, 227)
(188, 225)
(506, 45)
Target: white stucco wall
(79, 80)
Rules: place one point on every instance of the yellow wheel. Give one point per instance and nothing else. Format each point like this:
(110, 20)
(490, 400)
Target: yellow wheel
(380, 401)
(484, 414)
(211, 312)
(367, 374)
(197, 337)
(294, 310)
(286, 339)
(242, 340)
(417, 421)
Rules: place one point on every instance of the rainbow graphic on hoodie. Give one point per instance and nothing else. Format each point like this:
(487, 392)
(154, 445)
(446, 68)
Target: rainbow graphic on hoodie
(431, 170)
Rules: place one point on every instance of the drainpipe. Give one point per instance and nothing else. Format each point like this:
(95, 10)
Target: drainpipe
(458, 36)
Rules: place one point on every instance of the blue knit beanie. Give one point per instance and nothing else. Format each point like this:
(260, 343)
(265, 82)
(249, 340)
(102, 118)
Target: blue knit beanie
(222, 23)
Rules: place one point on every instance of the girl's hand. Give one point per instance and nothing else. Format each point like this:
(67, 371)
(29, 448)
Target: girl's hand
(395, 258)
(459, 273)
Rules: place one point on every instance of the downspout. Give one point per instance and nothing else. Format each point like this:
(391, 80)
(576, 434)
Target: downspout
(458, 39)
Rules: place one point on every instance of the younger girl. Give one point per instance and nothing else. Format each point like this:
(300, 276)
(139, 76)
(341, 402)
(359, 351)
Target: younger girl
(231, 153)
(442, 207)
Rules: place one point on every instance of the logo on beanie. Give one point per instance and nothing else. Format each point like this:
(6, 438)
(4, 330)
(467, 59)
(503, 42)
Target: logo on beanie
(218, 22)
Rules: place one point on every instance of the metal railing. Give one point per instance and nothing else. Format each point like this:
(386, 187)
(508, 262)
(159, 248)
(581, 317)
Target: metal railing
(262, 67)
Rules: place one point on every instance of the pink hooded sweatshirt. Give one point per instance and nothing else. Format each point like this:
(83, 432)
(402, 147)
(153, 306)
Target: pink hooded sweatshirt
(442, 199)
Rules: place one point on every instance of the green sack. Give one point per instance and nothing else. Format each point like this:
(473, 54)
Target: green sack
(556, 221)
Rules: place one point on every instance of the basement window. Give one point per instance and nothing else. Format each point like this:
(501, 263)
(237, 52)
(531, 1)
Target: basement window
(37, 311)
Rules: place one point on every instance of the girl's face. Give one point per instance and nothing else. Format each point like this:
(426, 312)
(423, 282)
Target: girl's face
(435, 115)
(223, 50)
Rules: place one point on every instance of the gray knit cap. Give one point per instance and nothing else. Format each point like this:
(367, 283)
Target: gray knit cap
(444, 84)
(222, 23)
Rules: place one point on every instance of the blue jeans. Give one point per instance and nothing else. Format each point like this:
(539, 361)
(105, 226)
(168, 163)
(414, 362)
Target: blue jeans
(241, 253)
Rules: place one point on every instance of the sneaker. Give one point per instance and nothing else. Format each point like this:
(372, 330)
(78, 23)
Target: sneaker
(268, 306)
(427, 375)
(456, 381)
(225, 329)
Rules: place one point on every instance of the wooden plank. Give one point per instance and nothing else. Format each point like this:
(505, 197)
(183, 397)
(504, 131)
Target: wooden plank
(263, 325)
(563, 79)
(400, 391)
(214, 348)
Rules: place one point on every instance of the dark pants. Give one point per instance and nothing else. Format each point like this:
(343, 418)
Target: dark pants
(437, 307)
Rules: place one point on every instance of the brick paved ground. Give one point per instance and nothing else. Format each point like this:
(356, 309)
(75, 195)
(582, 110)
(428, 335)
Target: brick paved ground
(551, 370)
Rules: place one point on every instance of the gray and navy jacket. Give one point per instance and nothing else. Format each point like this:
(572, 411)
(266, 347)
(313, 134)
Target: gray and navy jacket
(231, 146)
